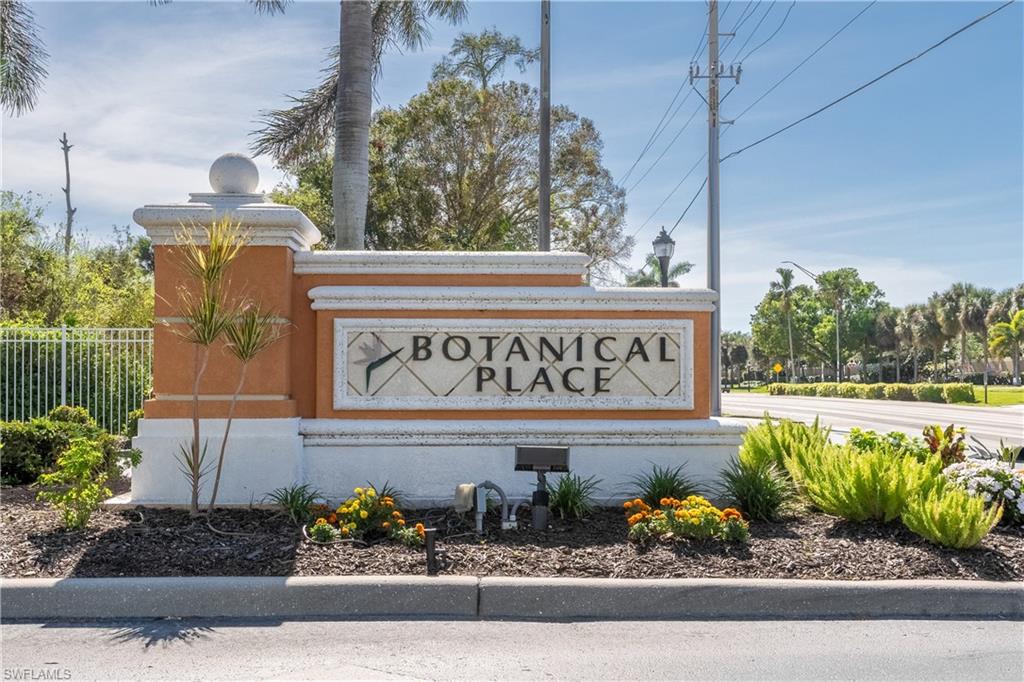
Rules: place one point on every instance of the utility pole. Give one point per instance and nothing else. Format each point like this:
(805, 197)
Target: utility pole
(544, 208)
(65, 147)
(714, 74)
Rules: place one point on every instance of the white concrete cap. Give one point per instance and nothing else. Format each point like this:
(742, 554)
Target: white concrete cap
(234, 178)
(234, 173)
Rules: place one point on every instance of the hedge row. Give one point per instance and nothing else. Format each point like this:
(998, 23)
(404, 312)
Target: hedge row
(926, 393)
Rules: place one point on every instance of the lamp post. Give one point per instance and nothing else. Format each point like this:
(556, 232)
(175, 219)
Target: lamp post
(839, 310)
(664, 247)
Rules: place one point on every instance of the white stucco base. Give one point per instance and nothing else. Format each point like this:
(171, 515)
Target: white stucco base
(425, 459)
(262, 454)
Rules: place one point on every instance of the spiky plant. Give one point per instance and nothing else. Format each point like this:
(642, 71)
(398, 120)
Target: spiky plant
(249, 333)
(761, 490)
(663, 482)
(205, 315)
(572, 496)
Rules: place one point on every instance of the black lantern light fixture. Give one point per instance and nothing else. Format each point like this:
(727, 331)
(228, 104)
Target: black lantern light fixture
(664, 247)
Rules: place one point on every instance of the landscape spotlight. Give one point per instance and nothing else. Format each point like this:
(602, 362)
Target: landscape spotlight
(664, 247)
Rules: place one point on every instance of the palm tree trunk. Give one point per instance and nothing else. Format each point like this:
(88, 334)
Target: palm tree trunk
(792, 357)
(227, 431)
(897, 364)
(915, 364)
(351, 182)
(1016, 364)
(963, 353)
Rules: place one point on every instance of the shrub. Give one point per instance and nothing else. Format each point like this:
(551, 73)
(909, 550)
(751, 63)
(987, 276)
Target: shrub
(769, 443)
(899, 392)
(872, 391)
(826, 390)
(845, 482)
(760, 490)
(958, 393)
(778, 389)
(571, 496)
(895, 443)
(297, 501)
(664, 482)
(994, 482)
(77, 487)
(31, 448)
(846, 390)
(692, 517)
(948, 443)
(68, 413)
(946, 514)
(131, 426)
(928, 393)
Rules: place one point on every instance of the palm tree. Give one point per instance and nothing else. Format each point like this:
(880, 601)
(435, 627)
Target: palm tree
(782, 293)
(481, 57)
(887, 338)
(650, 274)
(929, 332)
(975, 319)
(904, 331)
(340, 106)
(1006, 338)
(22, 58)
(953, 307)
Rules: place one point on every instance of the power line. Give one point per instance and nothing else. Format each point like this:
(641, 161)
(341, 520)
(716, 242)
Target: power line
(767, 40)
(771, 6)
(665, 150)
(689, 205)
(805, 60)
(870, 82)
(659, 128)
(670, 195)
(748, 12)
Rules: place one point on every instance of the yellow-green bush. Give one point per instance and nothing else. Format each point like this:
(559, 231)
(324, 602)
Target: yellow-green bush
(928, 393)
(872, 391)
(848, 390)
(958, 393)
(947, 515)
(899, 392)
(827, 390)
(769, 443)
(859, 486)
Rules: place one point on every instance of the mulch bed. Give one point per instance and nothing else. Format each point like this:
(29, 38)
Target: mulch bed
(163, 542)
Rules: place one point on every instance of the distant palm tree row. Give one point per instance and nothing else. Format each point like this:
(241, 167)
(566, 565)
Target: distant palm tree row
(842, 317)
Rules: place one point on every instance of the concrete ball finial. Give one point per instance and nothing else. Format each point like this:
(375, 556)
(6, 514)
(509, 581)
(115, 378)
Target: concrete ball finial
(234, 173)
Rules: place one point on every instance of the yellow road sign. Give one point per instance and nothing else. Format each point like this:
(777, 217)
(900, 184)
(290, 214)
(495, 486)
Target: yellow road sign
(777, 367)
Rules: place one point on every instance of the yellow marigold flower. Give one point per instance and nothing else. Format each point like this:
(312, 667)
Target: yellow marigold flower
(370, 492)
(344, 530)
(358, 491)
(321, 521)
(363, 514)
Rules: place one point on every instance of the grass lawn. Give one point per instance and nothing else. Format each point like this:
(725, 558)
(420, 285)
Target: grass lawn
(1000, 395)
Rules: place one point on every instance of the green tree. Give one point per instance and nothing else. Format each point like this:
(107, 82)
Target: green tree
(930, 333)
(769, 326)
(482, 57)
(782, 292)
(854, 304)
(957, 308)
(455, 168)
(339, 108)
(1006, 339)
(904, 332)
(650, 274)
(1005, 304)
(888, 338)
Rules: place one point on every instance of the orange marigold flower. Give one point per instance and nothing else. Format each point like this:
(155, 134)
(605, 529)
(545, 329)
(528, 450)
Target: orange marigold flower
(385, 525)
(401, 522)
(333, 518)
(321, 521)
(627, 504)
(396, 514)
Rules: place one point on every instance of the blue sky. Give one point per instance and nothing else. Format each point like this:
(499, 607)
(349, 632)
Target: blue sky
(917, 181)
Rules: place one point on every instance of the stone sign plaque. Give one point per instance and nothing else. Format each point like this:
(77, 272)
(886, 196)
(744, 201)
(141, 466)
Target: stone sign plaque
(512, 363)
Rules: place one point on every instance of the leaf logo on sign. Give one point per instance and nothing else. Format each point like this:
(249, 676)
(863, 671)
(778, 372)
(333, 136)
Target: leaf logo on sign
(374, 357)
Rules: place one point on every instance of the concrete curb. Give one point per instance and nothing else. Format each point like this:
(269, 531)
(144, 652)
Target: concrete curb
(239, 597)
(710, 598)
(458, 597)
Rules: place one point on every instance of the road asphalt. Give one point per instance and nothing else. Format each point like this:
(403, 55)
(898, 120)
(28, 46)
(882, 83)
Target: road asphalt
(474, 650)
(987, 424)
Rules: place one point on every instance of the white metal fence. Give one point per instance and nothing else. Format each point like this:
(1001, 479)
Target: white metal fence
(107, 371)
